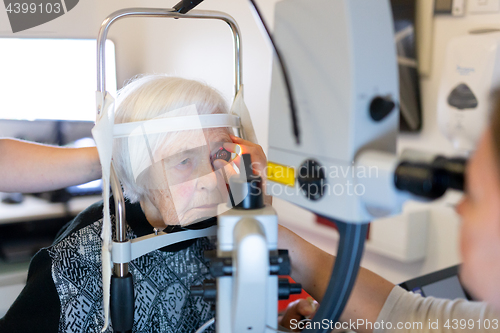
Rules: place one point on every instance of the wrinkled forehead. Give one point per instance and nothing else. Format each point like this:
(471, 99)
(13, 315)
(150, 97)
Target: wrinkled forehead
(180, 141)
(220, 134)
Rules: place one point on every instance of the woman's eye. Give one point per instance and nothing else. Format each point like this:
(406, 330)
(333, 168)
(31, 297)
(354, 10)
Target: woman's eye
(222, 154)
(184, 164)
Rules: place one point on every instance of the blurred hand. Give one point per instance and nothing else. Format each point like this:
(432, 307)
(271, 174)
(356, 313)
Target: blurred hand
(298, 310)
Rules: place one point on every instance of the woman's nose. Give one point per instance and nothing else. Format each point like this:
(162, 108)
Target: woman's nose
(207, 179)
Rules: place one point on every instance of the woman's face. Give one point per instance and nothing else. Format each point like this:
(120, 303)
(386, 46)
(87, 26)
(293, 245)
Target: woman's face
(480, 234)
(184, 187)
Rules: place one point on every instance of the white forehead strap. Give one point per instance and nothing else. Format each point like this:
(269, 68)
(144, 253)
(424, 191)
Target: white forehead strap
(175, 124)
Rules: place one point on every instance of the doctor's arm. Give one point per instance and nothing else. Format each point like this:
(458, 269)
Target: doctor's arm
(312, 268)
(31, 167)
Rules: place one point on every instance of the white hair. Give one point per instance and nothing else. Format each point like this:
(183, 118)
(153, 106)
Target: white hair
(153, 96)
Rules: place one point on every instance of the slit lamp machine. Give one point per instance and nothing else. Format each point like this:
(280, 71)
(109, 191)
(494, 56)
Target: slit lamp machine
(333, 106)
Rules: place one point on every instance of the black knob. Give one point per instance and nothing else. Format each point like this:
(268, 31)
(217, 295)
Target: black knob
(380, 107)
(280, 263)
(208, 290)
(221, 267)
(285, 288)
(312, 180)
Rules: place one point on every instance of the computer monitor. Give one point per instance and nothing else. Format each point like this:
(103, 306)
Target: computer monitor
(45, 81)
(441, 284)
(52, 79)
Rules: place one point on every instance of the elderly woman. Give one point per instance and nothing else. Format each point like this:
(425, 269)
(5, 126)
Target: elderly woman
(169, 180)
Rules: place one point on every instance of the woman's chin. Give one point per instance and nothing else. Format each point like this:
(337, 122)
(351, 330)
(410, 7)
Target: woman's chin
(198, 214)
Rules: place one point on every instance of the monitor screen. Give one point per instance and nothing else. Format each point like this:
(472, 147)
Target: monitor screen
(449, 288)
(441, 284)
(52, 79)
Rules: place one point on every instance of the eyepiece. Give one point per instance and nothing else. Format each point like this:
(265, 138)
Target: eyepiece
(431, 180)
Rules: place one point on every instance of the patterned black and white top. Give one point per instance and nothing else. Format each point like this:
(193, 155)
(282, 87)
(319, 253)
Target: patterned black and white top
(64, 288)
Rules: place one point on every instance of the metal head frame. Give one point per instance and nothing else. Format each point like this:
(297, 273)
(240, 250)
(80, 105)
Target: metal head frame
(121, 269)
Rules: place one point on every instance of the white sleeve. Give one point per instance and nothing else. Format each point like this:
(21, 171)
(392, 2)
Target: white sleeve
(429, 314)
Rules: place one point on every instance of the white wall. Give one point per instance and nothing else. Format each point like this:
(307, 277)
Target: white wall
(202, 50)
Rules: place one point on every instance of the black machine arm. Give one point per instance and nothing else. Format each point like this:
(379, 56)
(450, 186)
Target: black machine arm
(185, 6)
(345, 270)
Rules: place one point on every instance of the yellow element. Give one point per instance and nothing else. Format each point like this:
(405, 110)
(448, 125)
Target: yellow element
(281, 174)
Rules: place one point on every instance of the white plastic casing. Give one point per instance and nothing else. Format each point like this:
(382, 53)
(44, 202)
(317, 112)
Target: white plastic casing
(340, 55)
(248, 298)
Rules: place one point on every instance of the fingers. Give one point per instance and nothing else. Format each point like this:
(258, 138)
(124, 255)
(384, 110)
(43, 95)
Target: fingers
(291, 313)
(233, 148)
(304, 308)
(298, 310)
(315, 306)
(238, 140)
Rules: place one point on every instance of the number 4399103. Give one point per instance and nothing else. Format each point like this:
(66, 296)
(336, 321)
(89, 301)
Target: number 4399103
(471, 324)
(33, 8)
